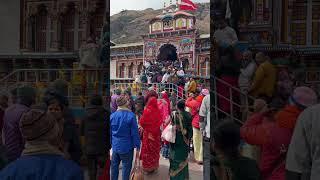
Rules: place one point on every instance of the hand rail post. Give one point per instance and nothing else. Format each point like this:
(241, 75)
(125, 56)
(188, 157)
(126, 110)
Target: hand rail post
(215, 98)
(231, 102)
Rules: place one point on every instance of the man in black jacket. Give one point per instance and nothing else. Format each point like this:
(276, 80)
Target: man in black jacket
(96, 131)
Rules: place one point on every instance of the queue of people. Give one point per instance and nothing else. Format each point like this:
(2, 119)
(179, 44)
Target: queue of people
(281, 129)
(154, 112)
(42, 140)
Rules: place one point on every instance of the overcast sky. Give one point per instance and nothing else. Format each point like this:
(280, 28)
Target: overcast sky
(117, 6)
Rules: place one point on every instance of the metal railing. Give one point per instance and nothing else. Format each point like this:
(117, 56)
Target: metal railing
(158, 87)
(81, 83)
(238, 111)
(95, 81)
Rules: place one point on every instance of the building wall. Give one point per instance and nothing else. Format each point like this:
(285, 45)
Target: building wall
(113, 69)
(128, 59)
(61, 25)
(10, 26)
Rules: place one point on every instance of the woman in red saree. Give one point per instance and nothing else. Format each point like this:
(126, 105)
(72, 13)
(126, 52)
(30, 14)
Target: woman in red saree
(150, 122)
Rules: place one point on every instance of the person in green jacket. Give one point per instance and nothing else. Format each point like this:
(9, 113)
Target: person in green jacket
(231, 164)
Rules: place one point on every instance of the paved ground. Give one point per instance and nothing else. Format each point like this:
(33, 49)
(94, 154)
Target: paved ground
(195, 171)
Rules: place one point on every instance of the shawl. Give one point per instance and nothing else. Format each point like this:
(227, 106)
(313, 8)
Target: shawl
(166, 98)
(151, 117)
(150, 94)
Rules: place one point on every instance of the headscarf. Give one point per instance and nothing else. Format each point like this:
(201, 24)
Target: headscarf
(166, 98)
(151, 117)
(302, 97)
(150, 94)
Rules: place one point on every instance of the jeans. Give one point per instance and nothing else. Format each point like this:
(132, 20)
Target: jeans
(206, 159)
(126, 160)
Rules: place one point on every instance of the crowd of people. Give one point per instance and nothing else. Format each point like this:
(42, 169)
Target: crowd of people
(163, 71)
(277, 139)
(146, 116)
(41, 140)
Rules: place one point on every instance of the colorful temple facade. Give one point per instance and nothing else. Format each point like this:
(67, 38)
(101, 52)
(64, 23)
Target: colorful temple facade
(279, 27)
(172, 32)
(52, 31)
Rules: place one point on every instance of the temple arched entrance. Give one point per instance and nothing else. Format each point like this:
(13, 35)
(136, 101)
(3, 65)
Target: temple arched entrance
(167, 53)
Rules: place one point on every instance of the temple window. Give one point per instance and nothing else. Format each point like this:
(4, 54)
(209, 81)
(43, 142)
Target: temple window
(122, 70)
(97, 21)
(130, 71)
(204, 67)
(40, 31)
(298, 23)
(140, 67)
(68, 28)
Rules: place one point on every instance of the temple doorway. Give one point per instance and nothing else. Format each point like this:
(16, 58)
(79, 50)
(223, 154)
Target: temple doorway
(167, 54)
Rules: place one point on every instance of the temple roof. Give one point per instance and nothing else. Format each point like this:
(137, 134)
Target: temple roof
(45, 55)
(202, 36)
(172, 15)
(127, 45)
(284, 47)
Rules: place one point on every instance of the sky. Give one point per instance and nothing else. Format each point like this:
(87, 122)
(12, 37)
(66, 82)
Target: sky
(117, 6)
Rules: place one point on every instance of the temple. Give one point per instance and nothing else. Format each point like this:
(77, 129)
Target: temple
(172, 37)
(50, 32)
(279, 28)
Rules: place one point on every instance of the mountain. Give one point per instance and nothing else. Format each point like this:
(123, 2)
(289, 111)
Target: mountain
(128, 25)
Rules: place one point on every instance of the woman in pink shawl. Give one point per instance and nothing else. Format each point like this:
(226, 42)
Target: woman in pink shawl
(165, 108)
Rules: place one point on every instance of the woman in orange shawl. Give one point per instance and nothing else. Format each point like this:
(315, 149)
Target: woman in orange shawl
(150, 122)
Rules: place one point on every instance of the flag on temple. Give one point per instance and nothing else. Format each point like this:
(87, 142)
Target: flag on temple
(187, 5)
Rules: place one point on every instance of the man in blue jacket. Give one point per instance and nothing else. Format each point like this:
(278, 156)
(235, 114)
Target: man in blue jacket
(41, 158)
(125, 137)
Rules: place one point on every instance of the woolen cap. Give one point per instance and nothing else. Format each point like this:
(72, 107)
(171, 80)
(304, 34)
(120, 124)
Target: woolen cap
(37, 124)
(121, 101)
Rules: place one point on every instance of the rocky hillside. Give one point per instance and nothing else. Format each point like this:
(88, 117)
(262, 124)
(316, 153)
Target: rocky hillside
(128, 25)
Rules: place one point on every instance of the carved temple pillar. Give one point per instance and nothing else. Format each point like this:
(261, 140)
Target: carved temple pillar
(84, 17)
(27, 41)
(56, 27)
